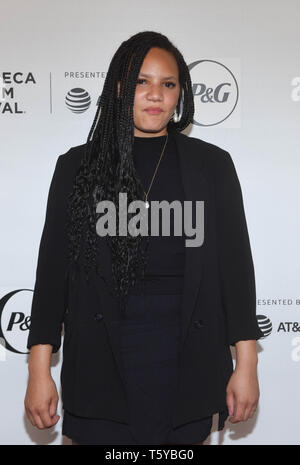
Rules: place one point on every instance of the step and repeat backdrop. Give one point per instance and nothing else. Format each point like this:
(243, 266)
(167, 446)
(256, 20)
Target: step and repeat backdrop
(244, 63)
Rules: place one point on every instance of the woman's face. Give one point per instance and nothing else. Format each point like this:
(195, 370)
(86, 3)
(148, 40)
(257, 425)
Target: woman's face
(157, 89)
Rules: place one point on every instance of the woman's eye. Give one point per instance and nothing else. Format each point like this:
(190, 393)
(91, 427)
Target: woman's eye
(172, 84)
(140, 81)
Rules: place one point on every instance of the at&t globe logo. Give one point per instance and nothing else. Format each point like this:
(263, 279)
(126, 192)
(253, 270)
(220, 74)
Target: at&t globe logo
(78, 100)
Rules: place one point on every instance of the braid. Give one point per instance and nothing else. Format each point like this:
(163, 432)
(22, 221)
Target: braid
(107, 166)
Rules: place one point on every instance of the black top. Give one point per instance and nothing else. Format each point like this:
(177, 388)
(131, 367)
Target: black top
(166, 255)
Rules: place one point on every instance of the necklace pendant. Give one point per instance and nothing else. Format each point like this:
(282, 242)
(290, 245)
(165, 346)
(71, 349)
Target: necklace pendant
(147, 204)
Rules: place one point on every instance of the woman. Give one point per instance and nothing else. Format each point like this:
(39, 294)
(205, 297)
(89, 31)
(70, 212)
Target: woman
(148, 321)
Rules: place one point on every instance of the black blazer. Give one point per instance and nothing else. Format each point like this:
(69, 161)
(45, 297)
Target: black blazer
(219, 301)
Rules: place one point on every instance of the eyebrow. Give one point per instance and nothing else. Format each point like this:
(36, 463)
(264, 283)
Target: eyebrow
(149, 75)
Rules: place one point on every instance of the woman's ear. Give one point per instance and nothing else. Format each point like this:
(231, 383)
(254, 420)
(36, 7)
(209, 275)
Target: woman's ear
(118, 89)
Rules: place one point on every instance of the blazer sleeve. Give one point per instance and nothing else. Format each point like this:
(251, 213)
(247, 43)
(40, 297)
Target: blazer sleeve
(50, 291)
(237, 278)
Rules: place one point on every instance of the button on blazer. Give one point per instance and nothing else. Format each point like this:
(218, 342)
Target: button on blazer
(218, 305)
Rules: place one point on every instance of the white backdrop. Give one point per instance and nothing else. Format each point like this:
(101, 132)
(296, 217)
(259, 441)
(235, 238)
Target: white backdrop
(48, 49)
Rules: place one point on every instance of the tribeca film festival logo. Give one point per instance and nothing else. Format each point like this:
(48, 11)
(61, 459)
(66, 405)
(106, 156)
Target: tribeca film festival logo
(8, 81)
(138, 224)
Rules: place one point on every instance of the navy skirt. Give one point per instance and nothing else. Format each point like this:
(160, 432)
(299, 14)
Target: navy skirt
(149, 340)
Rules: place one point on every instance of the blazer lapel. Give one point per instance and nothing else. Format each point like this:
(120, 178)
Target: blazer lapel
(194, 185)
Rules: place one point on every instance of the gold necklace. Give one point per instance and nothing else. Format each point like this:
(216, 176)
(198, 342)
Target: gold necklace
(153, 177)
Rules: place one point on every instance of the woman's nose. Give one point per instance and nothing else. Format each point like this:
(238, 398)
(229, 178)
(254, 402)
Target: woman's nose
(155, 92)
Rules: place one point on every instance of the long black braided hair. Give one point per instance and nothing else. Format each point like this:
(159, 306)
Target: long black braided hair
(107, 166)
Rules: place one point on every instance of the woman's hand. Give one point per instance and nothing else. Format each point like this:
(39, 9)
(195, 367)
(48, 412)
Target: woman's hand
(41, 401)
(242, 394)
(41, 397)
(242, 391)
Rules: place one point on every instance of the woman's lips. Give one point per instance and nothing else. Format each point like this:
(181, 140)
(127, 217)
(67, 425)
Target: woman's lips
(153, 111)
